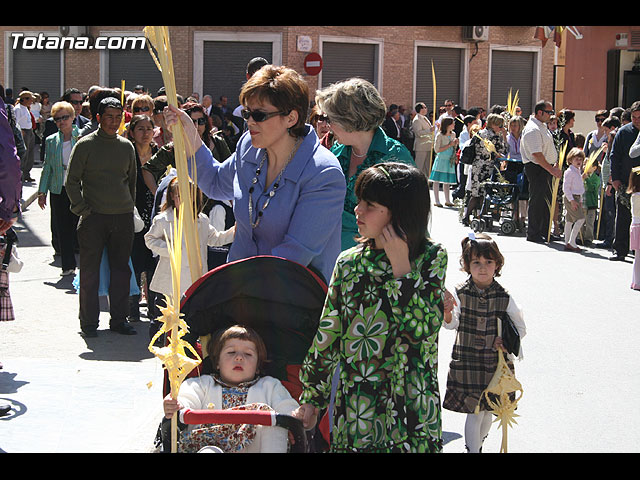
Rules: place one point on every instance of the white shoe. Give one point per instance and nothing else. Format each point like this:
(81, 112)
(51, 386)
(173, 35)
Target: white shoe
(68, 272)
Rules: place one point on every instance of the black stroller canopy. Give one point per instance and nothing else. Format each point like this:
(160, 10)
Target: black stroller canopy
(278, 298)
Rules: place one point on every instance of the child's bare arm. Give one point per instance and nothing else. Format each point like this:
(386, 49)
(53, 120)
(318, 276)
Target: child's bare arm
(448, 303)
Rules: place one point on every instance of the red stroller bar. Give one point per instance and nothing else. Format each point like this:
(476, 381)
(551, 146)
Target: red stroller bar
(234, 417)
(254, 417)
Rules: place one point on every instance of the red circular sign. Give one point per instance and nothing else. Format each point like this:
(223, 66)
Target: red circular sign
(313, 64)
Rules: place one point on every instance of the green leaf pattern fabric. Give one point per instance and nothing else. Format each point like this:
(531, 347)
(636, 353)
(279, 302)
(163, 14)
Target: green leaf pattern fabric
(382, 332)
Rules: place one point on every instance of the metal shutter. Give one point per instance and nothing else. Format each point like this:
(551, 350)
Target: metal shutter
(38, 70)
(448, 65)
(341, 61)
(516, 71)
(225, 67)
(135, 67)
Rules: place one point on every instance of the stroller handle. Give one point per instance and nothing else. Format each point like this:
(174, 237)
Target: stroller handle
(253, 417)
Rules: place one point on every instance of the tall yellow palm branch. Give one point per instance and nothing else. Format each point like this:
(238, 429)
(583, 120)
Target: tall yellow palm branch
(175, 359)
(555, 184)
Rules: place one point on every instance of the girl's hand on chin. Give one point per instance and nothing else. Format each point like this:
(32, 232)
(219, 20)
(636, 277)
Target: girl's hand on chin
(396, 248)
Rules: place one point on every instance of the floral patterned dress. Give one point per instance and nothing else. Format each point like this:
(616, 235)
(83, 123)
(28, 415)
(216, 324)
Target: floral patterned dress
(484, 163)
(382, 333)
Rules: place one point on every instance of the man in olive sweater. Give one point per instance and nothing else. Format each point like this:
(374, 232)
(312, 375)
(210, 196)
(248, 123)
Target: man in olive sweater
(101, 183)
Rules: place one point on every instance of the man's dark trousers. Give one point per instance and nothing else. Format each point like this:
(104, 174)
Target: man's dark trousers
(623, 225)
(539, 200)
(95, 233)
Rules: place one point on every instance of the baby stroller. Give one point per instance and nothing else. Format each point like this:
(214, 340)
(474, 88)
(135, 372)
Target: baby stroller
(282, 301)
(500, 205)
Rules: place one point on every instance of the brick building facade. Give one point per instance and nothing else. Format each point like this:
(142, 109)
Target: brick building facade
(395, 57)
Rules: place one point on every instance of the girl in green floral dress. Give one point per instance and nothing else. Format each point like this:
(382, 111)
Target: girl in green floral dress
(380, 325)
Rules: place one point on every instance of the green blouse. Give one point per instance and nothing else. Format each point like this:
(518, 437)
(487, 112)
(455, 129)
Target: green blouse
(382, 333)
(382, 149)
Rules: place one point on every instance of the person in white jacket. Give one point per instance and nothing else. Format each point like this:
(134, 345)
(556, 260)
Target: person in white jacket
(237, 355)
(156, 242)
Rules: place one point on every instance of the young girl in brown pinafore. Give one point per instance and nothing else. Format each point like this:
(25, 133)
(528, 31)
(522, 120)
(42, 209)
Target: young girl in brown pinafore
(479, 302)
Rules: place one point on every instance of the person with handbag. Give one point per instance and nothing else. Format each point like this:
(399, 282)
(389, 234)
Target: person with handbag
(489, 145)
(487, 319)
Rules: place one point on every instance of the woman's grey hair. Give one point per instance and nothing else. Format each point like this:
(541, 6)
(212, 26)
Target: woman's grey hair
(355, 104)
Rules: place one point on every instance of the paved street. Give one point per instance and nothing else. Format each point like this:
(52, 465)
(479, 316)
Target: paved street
(579, 374)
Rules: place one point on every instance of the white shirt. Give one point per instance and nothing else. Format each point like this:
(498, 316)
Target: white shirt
(536, 138)
(572, 183)
(23, 117)
(66, 154)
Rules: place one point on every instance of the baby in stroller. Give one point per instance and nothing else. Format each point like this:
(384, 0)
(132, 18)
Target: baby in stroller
(237, 356)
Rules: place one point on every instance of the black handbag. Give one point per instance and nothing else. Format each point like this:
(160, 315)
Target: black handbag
(510, 335)
(468, 154)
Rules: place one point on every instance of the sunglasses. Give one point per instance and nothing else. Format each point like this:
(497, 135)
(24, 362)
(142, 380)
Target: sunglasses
(260, 116)
(140, 109)
(322, 118)
(62, 118)
(200, 121)
(600, 119)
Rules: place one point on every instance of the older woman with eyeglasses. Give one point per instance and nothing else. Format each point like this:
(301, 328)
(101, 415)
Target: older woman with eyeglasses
(142, 105)
(287, 189)
(356, 112)
(52, 179)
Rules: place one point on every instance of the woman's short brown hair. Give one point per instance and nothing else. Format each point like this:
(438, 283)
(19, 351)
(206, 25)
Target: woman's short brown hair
(240, 332)
(282, 87)
(480, 245)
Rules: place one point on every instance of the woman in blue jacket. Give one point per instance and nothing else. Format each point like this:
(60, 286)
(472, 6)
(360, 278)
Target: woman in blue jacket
(287, 189)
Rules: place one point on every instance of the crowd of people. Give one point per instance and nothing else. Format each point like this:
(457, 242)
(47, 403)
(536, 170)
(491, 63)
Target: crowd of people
(468, 149)
(339, 185)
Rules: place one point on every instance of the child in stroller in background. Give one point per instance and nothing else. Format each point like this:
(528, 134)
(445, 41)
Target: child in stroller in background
(237, 356)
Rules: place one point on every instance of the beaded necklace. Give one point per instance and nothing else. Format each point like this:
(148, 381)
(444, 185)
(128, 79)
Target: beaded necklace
(272, 193)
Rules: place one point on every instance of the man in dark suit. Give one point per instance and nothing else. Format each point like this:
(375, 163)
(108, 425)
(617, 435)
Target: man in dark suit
(391, 124)
(621, 165)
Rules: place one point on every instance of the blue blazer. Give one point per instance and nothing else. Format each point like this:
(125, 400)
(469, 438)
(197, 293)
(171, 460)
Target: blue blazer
(303, 220)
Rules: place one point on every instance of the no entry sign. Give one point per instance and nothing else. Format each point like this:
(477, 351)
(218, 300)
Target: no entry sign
(313, 64)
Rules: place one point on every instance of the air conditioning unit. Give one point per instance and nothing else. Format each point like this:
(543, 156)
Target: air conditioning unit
(73, 31)
(475, 34)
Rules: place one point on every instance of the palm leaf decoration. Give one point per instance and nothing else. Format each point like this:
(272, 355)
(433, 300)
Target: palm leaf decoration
(174, 356)
(554, 188)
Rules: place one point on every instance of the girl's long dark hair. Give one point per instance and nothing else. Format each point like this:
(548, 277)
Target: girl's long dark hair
(404, 190)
